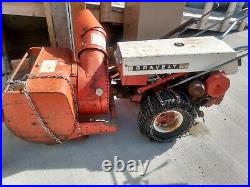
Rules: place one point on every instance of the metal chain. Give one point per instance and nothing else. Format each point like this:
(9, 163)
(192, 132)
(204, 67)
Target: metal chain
(26, 93)
(178, 100)
(150, 104)
(152, 134)
(69, 83)
(42, 124)
(151, 126)
(160, 99)
(177, 97)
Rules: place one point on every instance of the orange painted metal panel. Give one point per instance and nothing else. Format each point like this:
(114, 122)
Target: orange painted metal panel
(63, 91)
(90, 42)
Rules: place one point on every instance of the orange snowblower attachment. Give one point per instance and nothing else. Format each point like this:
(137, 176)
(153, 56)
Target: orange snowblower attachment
(51, 98)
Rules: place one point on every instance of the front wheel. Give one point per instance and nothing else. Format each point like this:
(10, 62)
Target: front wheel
(165, 116)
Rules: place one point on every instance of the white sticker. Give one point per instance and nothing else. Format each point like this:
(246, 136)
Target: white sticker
(48, 66)
(98, 40)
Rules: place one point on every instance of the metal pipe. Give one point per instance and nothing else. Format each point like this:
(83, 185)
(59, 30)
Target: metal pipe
(160, 82)
(93, 80)
(206, 72)
(213, 9)
(232, 26)
(173, 32)
(184, 26)
(205, 30)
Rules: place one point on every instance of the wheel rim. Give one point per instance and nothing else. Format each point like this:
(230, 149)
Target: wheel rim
(168, 121)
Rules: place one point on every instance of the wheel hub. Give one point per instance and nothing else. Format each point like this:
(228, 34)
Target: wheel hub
(168, 121)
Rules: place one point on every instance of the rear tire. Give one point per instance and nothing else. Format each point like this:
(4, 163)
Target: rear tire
(173, 106)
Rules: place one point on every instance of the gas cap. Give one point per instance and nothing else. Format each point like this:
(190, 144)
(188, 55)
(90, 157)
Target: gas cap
(99, 92)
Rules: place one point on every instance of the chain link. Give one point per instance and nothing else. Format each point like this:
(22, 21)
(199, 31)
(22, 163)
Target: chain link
(160, 99)
(150, 104)
(38, 117)
(69, 83)
(26, 93)
(151, 126)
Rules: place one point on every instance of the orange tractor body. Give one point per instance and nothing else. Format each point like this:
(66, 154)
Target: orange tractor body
(71, 97)
(54, 96)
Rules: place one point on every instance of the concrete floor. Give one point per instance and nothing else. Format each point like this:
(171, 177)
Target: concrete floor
(214, 153)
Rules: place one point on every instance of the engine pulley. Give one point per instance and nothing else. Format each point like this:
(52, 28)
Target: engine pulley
(217, 84)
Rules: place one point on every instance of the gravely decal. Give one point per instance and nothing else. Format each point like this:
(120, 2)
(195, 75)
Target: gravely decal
(158, 67)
